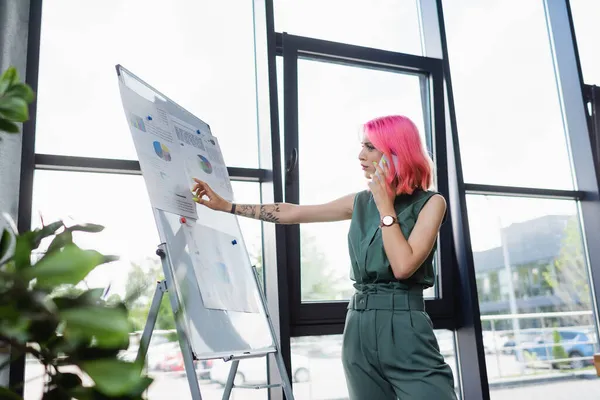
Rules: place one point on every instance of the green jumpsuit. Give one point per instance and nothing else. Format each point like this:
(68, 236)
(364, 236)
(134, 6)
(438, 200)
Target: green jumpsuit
(389, 348)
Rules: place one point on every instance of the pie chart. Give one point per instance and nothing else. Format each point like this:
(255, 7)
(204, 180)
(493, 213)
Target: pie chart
(205, 164)
(162, 151)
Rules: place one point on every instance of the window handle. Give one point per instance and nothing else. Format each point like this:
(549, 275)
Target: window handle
(291, 166)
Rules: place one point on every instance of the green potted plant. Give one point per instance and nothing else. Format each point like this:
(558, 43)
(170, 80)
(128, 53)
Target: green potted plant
(76, 335)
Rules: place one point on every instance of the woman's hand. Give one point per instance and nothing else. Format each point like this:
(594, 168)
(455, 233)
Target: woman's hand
(214, 202)
(383, 194)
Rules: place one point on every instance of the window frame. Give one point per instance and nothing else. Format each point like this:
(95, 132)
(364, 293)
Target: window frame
(327, 317)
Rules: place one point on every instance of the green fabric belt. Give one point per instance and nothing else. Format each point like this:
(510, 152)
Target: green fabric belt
(388, 301)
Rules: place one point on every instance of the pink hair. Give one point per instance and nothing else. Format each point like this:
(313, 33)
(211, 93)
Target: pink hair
(398, 135)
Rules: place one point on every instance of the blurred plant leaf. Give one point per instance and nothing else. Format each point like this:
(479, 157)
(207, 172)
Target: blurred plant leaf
(42, 330)
(57, 393)
(116, 378)
(8, 237)
(107, 325)
(8, 78)
(20, 90)
(8, 394)
(16, 329)
(23, 250)
(68, 380)
(8, 243)
(14, 109)
(47, 230)
(68, 266)
(138, 389)
(86, 228)
(60, 241)
(91, 296)
(8, 126)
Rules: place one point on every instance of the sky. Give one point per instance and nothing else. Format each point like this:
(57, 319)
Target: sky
(201, 55)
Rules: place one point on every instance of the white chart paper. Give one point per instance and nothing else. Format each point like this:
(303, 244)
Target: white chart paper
(221, 266)
(160, 157)
(203, 158)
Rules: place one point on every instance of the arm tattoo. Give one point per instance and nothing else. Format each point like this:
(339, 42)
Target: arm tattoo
(270, 213)
(267, 213)
(246, 210)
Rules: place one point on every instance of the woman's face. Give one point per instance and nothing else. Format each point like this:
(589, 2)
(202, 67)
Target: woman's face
(368, 154)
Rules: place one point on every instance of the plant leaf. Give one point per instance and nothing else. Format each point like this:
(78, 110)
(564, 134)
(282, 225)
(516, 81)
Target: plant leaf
(138, 390)
(8, 78)
(23, 250)
(42, 330)
(82, 393)
(110, 326)
(8, 243)
(60, 241)
(86, 228)
(46, 231)
(68, 266)
(8, 394)
(56, 394)
(89, 353)
(91, 297)
(8, 237)
(22, 91)
(8, 126)
(68, 380)
(114, 377)
(14, 109)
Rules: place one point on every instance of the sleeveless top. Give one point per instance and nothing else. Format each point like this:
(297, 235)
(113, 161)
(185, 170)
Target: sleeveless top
(370, 264)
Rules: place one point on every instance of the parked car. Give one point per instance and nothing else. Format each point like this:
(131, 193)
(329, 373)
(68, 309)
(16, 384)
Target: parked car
(577, 344)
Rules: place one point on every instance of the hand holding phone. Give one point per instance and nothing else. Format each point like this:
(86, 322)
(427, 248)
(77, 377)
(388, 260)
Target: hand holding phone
(384, 158)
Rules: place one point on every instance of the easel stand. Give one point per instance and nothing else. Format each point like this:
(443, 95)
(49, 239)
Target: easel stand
(186, 349)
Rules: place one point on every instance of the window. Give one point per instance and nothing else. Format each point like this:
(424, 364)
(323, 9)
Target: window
(539, 242)
(322, 123)
(79, 108)
(330, 114)
(383, 24)
(505, 94)
(585, 19)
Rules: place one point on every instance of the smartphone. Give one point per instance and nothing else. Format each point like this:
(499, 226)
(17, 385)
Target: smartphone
(394, 160)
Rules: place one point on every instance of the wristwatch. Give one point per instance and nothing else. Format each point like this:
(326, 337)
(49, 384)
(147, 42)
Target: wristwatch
(388, 220)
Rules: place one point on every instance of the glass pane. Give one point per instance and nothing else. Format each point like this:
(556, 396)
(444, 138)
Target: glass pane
(330, 114)
(585, 19)
(383, 24)
(78, 83)
(317, 365)
(121, 204)
(507, 104)
(534, 294)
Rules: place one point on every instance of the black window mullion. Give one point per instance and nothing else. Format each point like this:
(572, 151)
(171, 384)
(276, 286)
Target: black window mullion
(292, 162)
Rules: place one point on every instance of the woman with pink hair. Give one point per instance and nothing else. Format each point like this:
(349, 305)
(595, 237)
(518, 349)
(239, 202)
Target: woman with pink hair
(389, 347)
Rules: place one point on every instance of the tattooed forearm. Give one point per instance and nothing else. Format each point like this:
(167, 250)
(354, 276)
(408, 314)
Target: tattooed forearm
(270, 213)
(246, 210)
(264, 212)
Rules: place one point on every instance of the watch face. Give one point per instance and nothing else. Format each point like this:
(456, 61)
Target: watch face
(387, 220)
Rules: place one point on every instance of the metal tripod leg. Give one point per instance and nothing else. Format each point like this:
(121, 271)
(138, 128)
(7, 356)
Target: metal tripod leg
(161, 288)
(184, 344)
(230, 379)
(285, 380)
